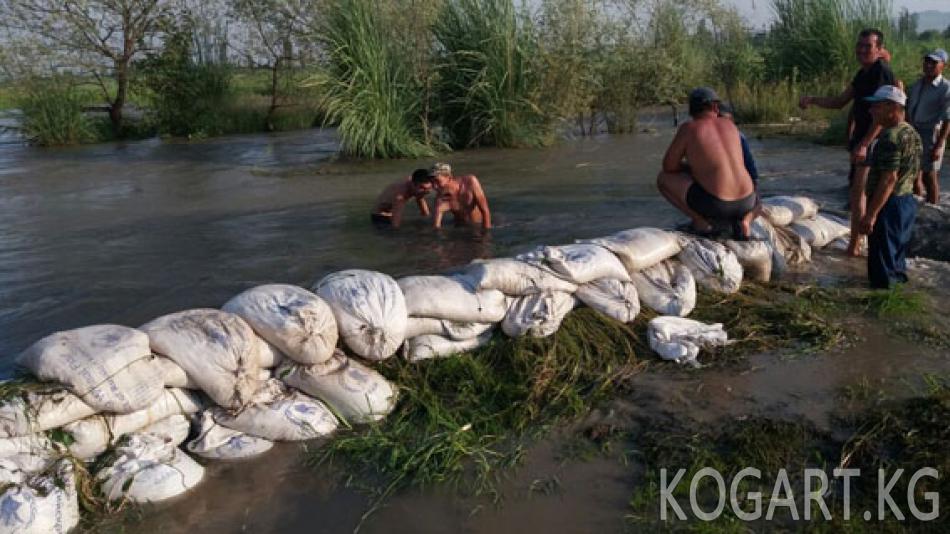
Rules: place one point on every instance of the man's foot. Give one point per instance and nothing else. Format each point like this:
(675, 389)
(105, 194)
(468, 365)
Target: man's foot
(854, 248)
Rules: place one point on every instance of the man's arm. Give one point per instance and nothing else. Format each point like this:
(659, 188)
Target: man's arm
(861, 150)
(884, 188)
(399, 204)
(673, 159)
(423, 206)
(828, 102)
(481, 203)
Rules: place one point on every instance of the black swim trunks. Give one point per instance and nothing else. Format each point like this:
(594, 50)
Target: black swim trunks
(715, 209)
(381, 221)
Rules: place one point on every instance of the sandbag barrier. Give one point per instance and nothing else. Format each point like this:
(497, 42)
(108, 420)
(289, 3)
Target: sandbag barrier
(271, 365)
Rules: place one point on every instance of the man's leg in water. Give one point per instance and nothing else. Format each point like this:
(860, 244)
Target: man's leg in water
(674, 186)
(857, 209)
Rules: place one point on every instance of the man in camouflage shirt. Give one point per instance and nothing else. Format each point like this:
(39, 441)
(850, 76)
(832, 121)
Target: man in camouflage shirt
(891, 207)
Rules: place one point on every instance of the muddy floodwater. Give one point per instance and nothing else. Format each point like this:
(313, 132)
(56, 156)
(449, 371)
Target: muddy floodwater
(123, 233)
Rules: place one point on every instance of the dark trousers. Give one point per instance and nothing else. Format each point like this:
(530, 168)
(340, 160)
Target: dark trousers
(887, 244)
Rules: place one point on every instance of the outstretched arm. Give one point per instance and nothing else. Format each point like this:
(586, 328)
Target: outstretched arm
(827, 102)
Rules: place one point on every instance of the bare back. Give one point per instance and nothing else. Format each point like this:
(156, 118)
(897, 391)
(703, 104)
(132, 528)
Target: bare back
(714, 153)
(387, 199)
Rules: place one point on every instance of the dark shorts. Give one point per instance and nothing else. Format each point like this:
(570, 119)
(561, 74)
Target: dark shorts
(713, 208)
(381, 221)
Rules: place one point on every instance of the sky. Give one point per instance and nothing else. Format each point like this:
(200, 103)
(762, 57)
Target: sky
(759, 12)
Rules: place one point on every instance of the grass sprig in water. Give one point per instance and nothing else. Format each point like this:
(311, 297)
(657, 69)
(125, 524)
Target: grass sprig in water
(462, 419)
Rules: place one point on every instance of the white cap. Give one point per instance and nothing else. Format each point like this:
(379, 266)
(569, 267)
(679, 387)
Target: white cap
(890, 93)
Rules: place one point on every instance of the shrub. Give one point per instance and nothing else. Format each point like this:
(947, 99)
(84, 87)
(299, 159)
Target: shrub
(53, 112)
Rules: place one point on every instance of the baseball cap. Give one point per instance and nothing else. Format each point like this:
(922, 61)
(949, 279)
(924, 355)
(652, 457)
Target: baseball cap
(939, 55)
(889, 93)
(702, 95)
(440, 168)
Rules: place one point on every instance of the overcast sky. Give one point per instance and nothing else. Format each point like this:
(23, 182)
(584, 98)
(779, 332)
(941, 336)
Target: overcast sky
(759, 12)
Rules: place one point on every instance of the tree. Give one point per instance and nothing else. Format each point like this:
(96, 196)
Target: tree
(100, 38)
(906, 24)
(270, 40)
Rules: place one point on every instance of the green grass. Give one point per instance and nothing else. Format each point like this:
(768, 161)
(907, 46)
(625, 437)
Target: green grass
(908, 434)
(461, 420)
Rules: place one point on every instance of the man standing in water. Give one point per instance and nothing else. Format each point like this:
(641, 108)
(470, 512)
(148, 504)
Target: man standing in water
(874, 73)
(392, 201)
(894, 164)
(712, 186)
(461, 195)
(929, 113)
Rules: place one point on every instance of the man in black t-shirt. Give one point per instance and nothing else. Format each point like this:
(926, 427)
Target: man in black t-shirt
(875, 72)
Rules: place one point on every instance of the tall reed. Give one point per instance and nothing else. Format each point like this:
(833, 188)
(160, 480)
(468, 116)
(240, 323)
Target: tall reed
(491, 75)
(368, 85)
(53, 112)
(817, 37)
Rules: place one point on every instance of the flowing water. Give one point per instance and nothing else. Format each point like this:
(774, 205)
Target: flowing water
(123, 233)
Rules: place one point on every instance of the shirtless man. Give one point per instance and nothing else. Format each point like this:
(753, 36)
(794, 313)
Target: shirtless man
(712, 186)
(393, 199)
(461, 195)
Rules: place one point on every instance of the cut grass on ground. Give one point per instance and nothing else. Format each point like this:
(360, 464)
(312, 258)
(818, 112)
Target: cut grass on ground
(463, 419)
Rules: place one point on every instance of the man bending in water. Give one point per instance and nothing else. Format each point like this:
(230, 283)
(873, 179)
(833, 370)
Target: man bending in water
(393, 199)
(712, 187)
(461, 195)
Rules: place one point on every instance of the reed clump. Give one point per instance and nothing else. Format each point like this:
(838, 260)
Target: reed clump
(52, 111)
(368, 84)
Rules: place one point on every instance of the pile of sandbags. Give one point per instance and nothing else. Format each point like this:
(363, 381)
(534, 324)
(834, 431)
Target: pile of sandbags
(269, 366)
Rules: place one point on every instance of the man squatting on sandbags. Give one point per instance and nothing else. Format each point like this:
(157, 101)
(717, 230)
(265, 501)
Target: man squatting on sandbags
(712, 186)
(928, 111)
(894, 164)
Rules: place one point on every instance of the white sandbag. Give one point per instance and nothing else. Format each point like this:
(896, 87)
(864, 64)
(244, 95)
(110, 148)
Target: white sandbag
(370, 311)
(614, 298)
(39, 410)
(453, 298)
(297, 322)
(640, 248)
(93, 435)
(353, 391)
(433, 346)
(147, 468)
(271, 356)
(784, 210)
(713, 265)
(220, 443)
(32, 444)
(515, 278)
(218, 351)
(755, 257)
(173, 375)
(667, 288)
(788, 248)
(19, 468)
(278, 413)
(537, 315)
(822, 229)
(44, 504)
(680, 339)
(425, 326)
(580, 263)
(107, 366)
